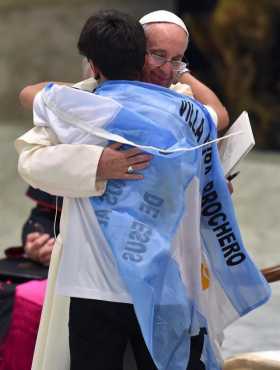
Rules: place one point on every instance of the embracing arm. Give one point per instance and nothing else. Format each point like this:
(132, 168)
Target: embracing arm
(28, 93)
(206, 96)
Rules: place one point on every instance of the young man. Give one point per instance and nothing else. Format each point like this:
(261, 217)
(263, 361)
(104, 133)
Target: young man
(101, 303)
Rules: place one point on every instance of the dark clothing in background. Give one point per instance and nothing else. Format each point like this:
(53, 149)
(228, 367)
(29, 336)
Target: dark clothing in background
(42, 216)
(195, 6)
(7, 293)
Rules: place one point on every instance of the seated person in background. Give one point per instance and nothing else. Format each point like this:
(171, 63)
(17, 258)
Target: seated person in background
(21, 303)
(38, 230)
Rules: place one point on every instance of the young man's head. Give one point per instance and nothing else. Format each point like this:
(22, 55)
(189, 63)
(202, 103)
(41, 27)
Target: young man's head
(167, 41)
(115, 45)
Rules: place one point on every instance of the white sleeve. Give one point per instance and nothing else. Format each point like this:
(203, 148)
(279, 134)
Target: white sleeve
(59, 169)
(213, 114)
(39, 110)
(182, 88)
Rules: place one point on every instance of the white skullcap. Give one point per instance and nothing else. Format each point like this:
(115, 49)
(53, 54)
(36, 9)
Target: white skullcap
(165, 17)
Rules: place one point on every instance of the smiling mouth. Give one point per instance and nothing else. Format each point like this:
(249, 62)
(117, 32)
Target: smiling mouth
(160, 78)
(161, 81)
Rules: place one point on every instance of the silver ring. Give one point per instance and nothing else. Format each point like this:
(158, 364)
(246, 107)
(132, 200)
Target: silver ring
(130, 170)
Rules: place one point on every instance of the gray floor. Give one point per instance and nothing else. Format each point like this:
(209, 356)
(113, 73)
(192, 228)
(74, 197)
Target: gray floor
(257, 202)
(257, 199)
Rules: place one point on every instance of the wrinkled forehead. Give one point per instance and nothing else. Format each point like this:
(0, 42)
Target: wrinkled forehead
(168, 37)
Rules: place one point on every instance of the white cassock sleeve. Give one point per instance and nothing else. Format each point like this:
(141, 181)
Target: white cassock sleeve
(59, 169)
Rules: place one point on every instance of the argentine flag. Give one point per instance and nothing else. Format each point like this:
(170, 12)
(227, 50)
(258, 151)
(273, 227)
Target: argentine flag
(139, 219)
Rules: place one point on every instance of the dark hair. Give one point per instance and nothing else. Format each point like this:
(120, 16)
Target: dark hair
(116, 44)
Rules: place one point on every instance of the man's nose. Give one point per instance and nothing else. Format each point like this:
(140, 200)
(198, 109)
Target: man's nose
(167, 68)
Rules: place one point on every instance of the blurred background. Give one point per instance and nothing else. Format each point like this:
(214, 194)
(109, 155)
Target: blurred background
(233, 50)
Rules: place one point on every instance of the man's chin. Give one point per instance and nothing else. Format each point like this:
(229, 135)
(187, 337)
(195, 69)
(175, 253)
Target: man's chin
(161, 81)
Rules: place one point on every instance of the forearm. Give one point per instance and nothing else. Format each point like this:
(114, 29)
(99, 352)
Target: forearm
(28, 93)
(206, 96)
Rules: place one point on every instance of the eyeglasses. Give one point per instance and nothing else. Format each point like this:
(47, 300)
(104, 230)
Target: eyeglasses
(177, 65)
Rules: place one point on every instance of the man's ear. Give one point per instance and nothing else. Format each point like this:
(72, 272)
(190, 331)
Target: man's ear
(95, 70)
